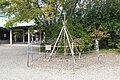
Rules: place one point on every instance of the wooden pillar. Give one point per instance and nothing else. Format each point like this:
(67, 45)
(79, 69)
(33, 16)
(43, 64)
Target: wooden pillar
(44, 37)
(28, 36)
(97, 48)
(10, 36)
(23, 36)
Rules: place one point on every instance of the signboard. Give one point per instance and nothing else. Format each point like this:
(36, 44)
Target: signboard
(47, 47)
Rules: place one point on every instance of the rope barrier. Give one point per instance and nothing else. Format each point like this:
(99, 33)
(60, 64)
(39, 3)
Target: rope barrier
(31, 47)
(61, 46)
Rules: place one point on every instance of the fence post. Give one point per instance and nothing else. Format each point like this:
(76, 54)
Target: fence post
(97, 48)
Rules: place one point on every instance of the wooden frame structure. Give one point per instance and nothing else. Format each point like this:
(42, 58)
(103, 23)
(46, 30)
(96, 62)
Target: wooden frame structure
(66, 33)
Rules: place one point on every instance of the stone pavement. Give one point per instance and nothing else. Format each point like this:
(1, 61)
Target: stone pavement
(13, 67)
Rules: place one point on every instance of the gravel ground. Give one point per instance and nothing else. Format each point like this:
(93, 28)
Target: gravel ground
(13, 67)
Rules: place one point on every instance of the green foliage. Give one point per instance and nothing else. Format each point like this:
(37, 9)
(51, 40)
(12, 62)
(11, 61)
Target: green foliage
(96, 19)
(101, 20)
(52, 32)
(77, 31)
(88, 20)
(26, 10)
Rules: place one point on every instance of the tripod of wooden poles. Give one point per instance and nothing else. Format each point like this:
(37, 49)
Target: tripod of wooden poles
(68, 36)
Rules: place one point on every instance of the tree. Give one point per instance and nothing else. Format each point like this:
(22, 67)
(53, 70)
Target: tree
(96, 18)
(26, 10)
(100, 17)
